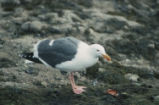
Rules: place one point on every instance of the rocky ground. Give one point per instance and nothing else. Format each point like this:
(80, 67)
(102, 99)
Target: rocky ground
(128, 29)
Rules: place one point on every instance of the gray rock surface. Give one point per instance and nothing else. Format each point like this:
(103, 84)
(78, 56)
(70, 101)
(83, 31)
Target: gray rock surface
(34, 26)
(128, 29)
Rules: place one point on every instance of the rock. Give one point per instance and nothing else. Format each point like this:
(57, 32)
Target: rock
(94, 82)
(19, 11)
(83, 78)
(156, 98)
(1, 43)
(26, 26)
(157, 45)
(34, 26)
(77, 75)
(28, 62)
(105, 23)
(67, 23)
(9, 4)
(54, 30)
(132, 77)
(70, 16)
(26, 1)
(151, 45)
(90, 34)
(44, 84)
(64, 29)
(81, 29)
(51, 15)
(32, 71)
(5, 63)
(157, 59)
(101, 70)
(122, 56)
(1, 46)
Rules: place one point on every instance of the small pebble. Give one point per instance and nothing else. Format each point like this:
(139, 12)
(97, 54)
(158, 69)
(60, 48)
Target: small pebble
(132, 77)
(34, 26)
(44, 84)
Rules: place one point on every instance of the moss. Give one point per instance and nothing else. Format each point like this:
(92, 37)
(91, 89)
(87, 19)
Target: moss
(92, 71)
(137, 100)
(111, 77)
(156, 102)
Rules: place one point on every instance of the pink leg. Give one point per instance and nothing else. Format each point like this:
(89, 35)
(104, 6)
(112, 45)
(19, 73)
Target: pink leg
(76, 89)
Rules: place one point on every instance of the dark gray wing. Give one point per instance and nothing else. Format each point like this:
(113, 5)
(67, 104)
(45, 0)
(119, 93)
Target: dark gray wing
(63, 49)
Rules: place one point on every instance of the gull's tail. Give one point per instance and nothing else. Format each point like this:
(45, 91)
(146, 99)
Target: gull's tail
(30, 57)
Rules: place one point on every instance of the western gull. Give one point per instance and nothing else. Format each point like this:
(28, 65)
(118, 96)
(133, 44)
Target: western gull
(67, 54)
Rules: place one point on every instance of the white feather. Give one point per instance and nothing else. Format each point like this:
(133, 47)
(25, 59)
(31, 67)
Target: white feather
(51, 42)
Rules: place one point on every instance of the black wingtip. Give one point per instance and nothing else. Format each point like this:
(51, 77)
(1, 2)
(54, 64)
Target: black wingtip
(29, 56)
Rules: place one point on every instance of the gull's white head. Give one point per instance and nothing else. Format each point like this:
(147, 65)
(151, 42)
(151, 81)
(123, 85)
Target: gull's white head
(100, 51)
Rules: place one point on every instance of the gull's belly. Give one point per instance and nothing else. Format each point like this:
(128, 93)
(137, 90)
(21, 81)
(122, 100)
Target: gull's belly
(77, 64)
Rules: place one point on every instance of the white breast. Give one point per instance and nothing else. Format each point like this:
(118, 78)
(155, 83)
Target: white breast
(82, 60)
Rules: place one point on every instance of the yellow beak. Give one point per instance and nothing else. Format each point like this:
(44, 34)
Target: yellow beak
(107, 57)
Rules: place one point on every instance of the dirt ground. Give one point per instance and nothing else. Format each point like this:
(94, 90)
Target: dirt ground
(129, 31)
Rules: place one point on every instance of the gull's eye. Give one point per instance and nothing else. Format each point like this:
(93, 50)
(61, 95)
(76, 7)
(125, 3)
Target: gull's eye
(98, 50)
